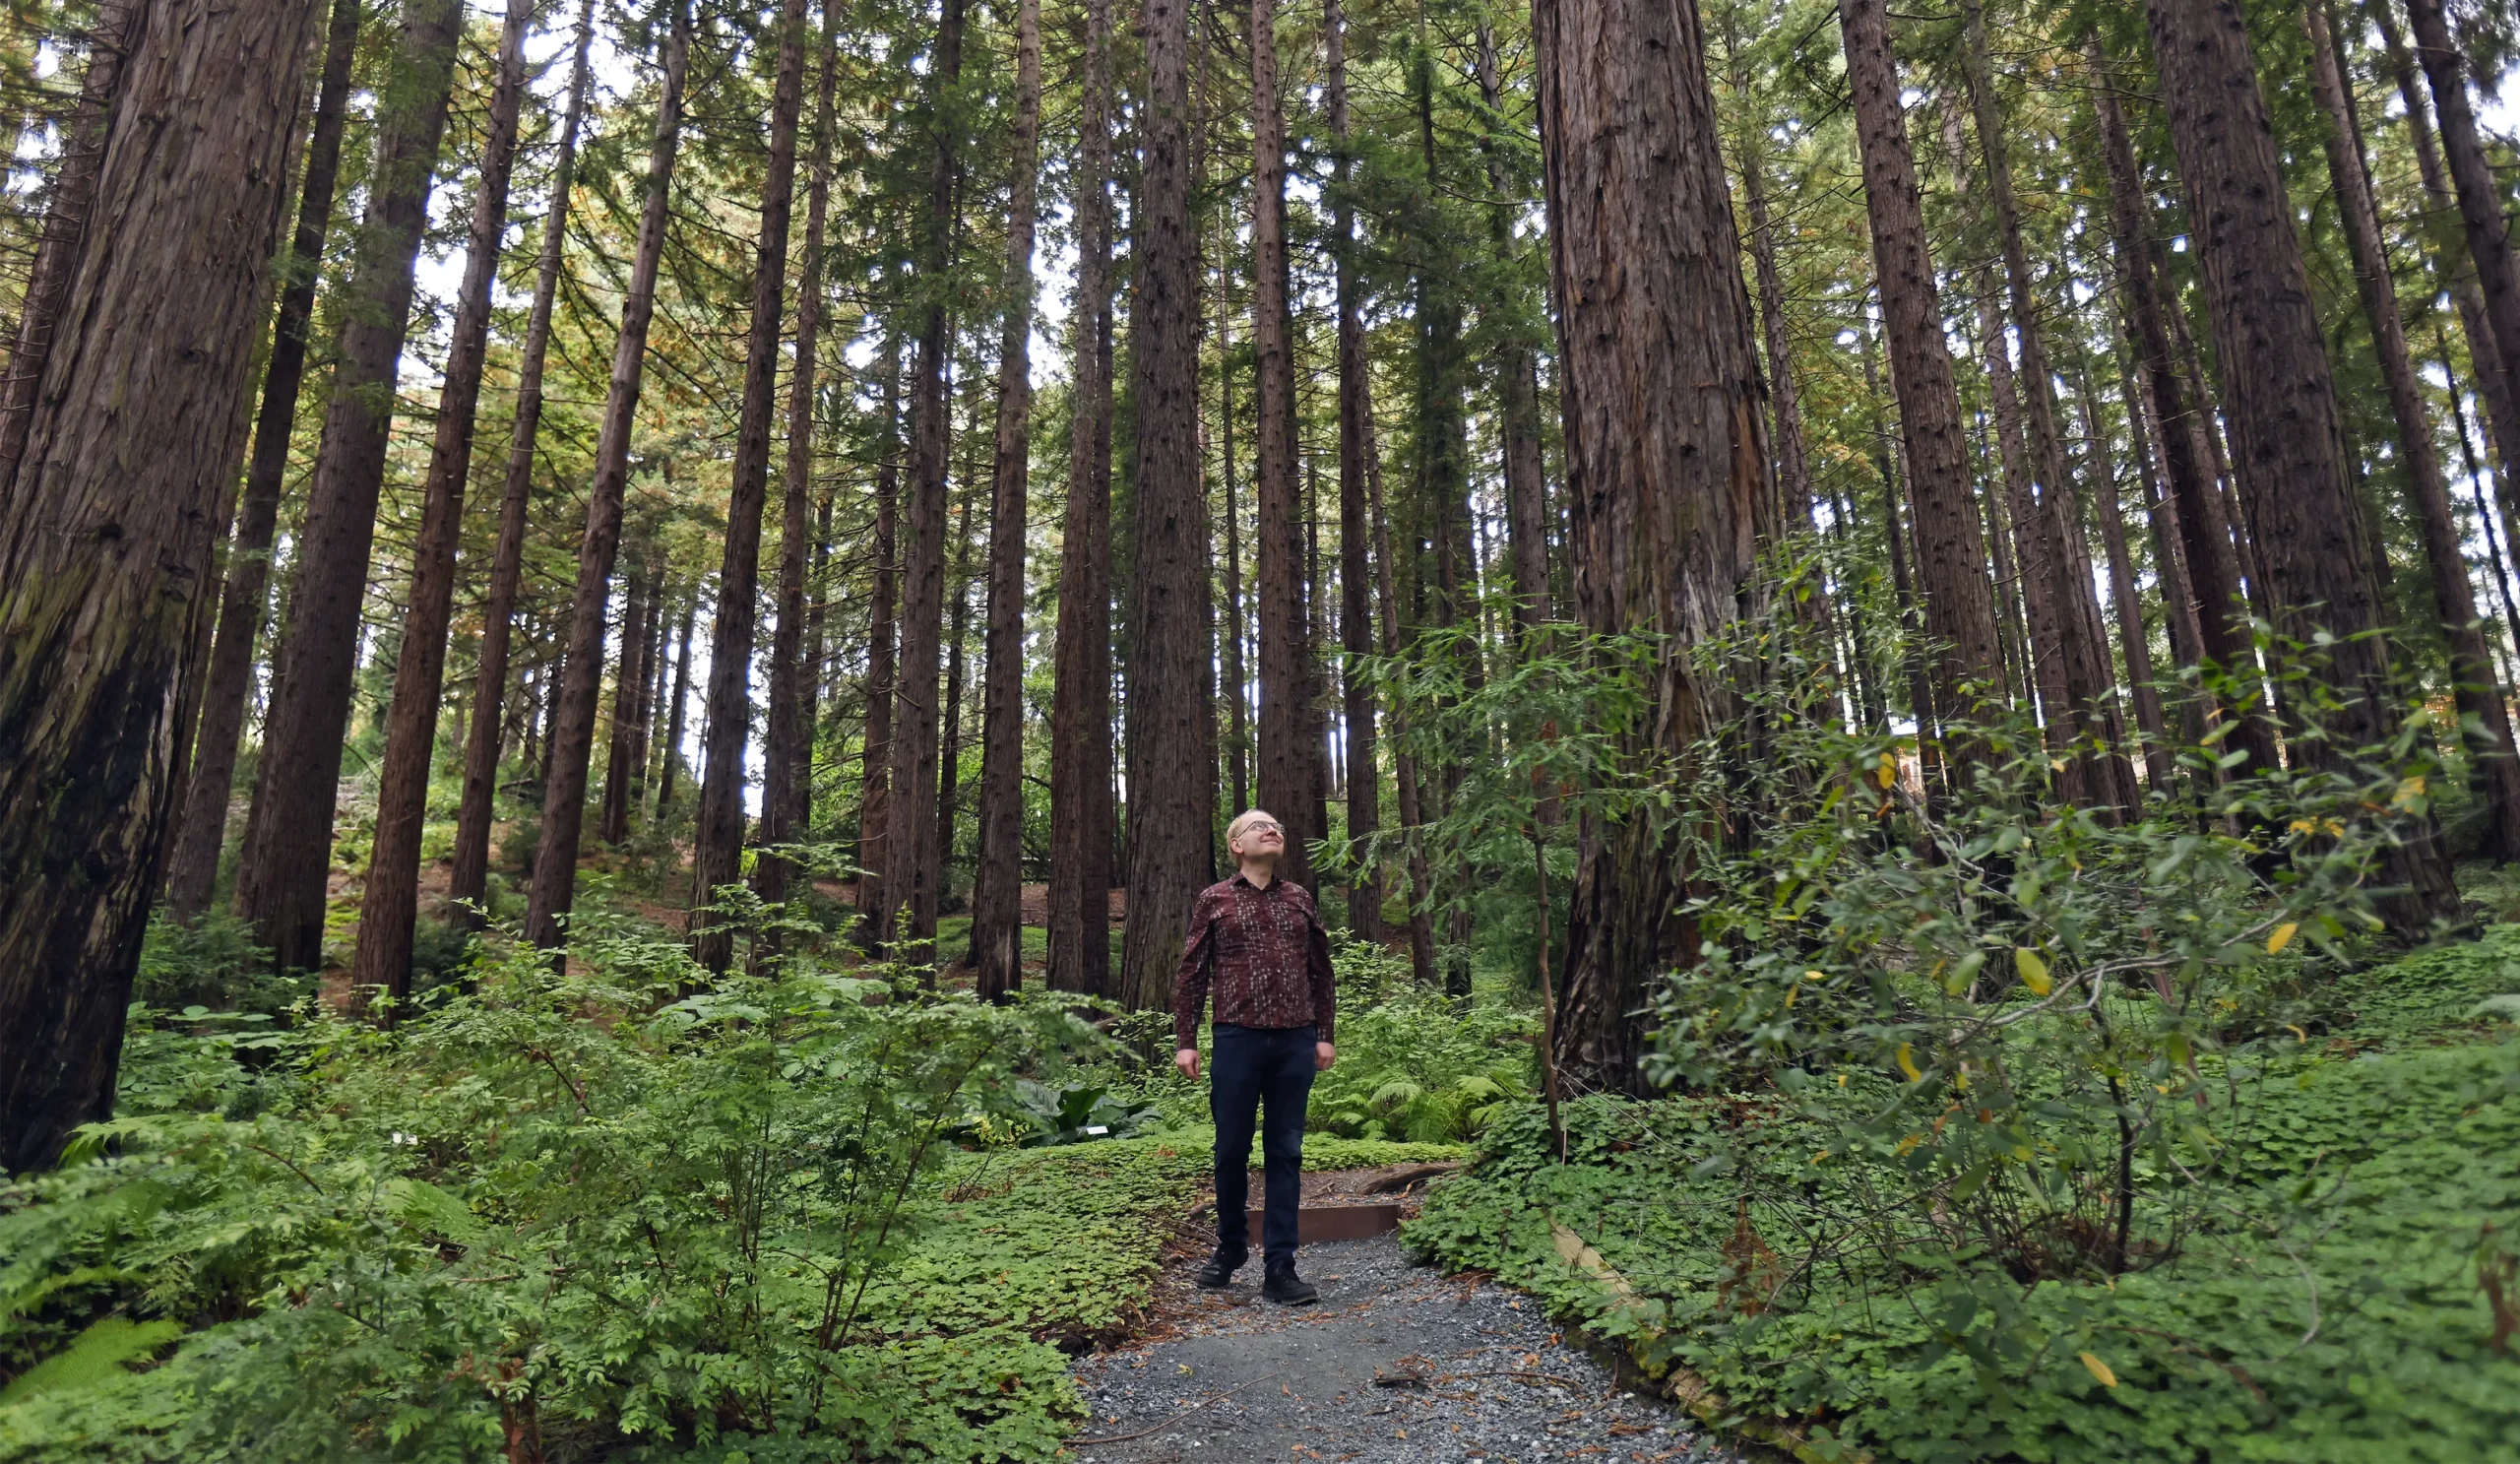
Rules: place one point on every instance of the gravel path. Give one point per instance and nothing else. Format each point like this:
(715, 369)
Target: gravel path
(1482, 1375)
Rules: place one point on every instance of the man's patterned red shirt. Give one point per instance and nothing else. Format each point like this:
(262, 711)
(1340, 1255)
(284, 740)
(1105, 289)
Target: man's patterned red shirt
(1263, 953)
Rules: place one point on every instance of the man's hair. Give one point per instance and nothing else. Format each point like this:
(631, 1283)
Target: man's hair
(1242, 823)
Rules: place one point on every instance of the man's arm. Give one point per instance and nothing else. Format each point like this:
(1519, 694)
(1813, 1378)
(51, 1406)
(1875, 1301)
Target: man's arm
(1190, 977)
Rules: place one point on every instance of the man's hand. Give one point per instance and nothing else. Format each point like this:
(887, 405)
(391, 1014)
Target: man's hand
(1188, 1060)
(1323, 1054)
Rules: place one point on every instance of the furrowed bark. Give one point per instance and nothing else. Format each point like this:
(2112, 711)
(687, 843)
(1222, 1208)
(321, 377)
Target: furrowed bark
(1080, 948)
(1171, 739)
(193, 865)
(106, 539)
(875, 796)
(1356, 583)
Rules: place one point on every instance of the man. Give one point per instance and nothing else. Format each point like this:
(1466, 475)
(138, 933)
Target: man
(1257, 942)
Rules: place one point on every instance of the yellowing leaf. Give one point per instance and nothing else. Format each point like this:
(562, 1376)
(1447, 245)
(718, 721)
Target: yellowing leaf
(1888, 772)
(1908, 1064)
(2408, 792)
(2099, 1369)
(1816, 1158)
(1793, 992)
(2034, 971)
(1908, 1145)
(2282, 937)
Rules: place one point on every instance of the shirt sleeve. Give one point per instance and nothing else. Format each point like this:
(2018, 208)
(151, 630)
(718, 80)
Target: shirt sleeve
(1190, 977)
(1325, 982)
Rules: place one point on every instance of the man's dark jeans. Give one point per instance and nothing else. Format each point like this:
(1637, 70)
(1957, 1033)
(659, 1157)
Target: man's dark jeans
(1253, 1067)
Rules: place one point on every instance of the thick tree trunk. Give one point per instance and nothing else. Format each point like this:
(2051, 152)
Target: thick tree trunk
(786, 782)
(281, 885)
(1667, 449)
(201, 832)
(2494, 769)
(389, 902)
(107, 538)
(1080, 938)
(468, 882)
(572, 740)
(2481, 196)
(1526, 478)
(2220, 611)
(2280, 400)
(1288, 754)
(1356, 583)
(1232, 646)
(950, 729)
(65, 227)
(913, 869)
(717, 853)
(875, 801)
(612, 826)
(1412, 808)
(997, 917)
(1959, 606)
(1171, 737)
(651, 685)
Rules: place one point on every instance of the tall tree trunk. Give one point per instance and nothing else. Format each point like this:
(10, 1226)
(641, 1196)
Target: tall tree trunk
(2482, 198)
(201, 832)
(107, 538)
(1356, 583)
(875, 803)
(1289, 770)
(1079, 880)
(281, 886)
(677, 702)
(786, 783)
(59, 244)
(572, 740)
(1886, 457)
(390, 899)
(949, 756)
(468, 882)
(612, 825)
(2458, 267)
(1172, 735)
(997, 917)
(1666, 448)
(2280, 401)
(2221, 615)
(651, 684)
(2160, 769)
(2091, 713)
(913, 869)
(1526, 476)
(717, 846)
(1237, 666)
(1959, 606)
(1407, 789)
(2493, 767)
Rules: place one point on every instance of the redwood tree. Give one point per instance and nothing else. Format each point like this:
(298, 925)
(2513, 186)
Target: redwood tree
(1172, 735)
(572, 744)
(105, 538)
(718, 842)
(288, 845)
(997, 931)
(389, 902)
(469, 881)
(193, 865)
(1666, 454)
(2280, 400)
(1080, 813)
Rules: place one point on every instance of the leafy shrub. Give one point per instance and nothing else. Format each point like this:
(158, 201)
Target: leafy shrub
(1418, 1066)
(585, 1209)
(212, 963)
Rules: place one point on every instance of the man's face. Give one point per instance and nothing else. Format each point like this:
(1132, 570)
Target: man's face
(1262, 841)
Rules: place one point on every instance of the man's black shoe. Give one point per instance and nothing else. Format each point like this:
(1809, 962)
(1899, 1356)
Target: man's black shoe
(1215, 1273)
(1287, 1288)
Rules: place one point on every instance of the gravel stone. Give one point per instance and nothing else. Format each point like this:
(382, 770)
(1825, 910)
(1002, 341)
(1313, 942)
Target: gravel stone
(1486, 1379)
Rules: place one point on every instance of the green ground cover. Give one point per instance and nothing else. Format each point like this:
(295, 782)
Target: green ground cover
(2333, 1303)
